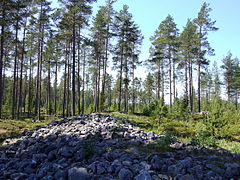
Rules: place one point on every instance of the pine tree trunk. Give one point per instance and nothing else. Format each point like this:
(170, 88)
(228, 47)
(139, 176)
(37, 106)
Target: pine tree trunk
(15, 71)
(25, 93)
(199, 87)
(79, 80)
(83, 83)
(73, 67)
(120, 83)
(162, 78)
(190, 85)
(65, 85)
(1, 63)
(133, 94)
(186, 85)
(98, 84)
(30, 87)
(68, 87)
(55, 85)
(104, 71)
(199, 72)
(49, 88)
(158, 81)
(21, 75)
(40, 74)
(170, 78)
(174, 82)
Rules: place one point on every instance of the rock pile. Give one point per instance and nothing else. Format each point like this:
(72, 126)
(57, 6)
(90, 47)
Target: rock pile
(105, 148)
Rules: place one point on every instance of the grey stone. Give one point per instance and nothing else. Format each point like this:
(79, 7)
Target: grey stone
(186, 177)
(232, 170)
(97, 167)
(125, 174)
(127, 163)
(78, 173)
(176, 169)
(156, 163)
(215, 169)
(60, 175)
(19, 176)
(145, 165)
(186, 163)
(162, 177)
(66, 151)
(52, 155)
(39, 157)
(144, 175)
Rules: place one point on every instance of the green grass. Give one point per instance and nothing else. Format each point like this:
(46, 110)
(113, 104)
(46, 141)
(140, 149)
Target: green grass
(185, 130)
(10, 128)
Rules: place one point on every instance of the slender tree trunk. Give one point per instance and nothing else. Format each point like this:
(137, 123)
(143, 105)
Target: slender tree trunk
(21, 74)
(186, 85)
(133, 94)
(162, 78)
(40, 75)
(55, 84)
(38, 82)
(190, 85)
(158, 80)
(30, 86)
(126, 86)
(68, 87)
(73, 66)
(199, 87)
(65, 85)
(174, 82)
(1, 63)
(15, 71)
(199, 72)
(170, 78)
(79, 78)
(104, 70)
(120, 83)
(96, 87)
(83, 83)
(98, 84)
(25, 93)
(49, 87)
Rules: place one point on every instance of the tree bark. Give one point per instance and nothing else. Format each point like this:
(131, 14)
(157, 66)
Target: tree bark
(15, 70)
(73, 66)
(21, 74)
(120, 83)
(83, 83)
(1, 63)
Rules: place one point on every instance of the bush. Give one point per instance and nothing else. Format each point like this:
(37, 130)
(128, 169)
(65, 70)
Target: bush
(162, 144)
(216, 119)
(203, 136)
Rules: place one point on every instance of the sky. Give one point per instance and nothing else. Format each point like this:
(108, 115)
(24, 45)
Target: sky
(148, 14)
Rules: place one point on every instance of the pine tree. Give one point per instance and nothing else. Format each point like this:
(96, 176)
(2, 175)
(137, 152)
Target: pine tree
(77, 17)
(204, 24)
(188, 45)
(149, 87)
(129, 38)
(165, 42)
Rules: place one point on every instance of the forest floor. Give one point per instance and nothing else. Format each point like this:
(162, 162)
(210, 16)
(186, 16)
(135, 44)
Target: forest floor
(179, 129)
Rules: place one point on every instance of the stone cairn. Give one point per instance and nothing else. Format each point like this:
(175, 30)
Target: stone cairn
(102, 147)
